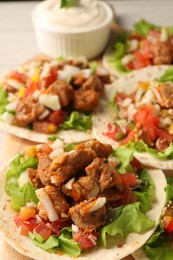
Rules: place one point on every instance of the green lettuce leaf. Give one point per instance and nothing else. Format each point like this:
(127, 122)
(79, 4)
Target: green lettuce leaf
(146, 192)
(124, 155)
(140, 146)
(137, 222)
(20, 195)
(167, 76)
(143, 27)
(78, 121)
(3, 100)
(51, 244)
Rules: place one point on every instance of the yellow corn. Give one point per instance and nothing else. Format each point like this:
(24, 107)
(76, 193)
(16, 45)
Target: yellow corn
(21, 92)
(31, 151)
(26, 213)
(36, 75)
(170, 129)
(144, 85)
(164, 113)
(52, 128)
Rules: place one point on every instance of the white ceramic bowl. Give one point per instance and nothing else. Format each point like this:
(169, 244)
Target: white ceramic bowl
(88, 42)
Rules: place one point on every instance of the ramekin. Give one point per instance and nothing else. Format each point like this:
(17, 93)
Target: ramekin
(87, 42)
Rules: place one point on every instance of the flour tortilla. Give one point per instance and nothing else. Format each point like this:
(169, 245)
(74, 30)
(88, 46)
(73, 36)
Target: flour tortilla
(25, 246)
(106, 113)
(68, 136)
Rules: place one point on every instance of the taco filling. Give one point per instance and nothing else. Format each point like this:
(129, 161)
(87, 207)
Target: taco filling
(48, 96)
(73, 201)
(144, 118)
(146, 45)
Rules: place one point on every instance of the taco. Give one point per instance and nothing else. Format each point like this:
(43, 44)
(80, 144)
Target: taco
(103, 205)
(146, 45)
(136, 112)
(52, 97)
(159, 246)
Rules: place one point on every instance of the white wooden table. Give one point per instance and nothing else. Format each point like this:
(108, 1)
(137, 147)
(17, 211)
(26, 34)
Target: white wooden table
(17, 45)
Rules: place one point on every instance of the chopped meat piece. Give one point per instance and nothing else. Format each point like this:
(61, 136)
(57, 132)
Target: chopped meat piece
(84, 188)
(59, 202)
(104, 173)
(27, 111)
(63, 90)
(103, 75)
(86, 220)
(101, 149)
(9, 88)
(93, 83)
(44, 172)
(162, 53)
(165, 91)
(86, 100)
(73, 164)
(78, 79)
(109, 176)
(34, 178)
(114, 197)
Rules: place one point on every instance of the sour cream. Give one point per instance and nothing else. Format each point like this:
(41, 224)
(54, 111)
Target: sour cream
(87, 15)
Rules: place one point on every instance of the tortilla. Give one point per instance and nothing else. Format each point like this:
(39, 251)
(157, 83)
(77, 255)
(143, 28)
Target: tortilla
(69, 135)
(106, 113)
(25, 246)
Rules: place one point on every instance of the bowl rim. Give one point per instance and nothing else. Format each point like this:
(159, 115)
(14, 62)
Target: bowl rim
(48, 27)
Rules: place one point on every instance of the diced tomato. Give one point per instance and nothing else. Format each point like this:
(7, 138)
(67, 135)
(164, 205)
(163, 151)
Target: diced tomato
(86, 240)
(57, 117)
(45, 148)
(33, 86)
(140, 61)
(155, 34)
(137, 166)
(25, 225)
(18, 76)
(168, 223)
(47, 81)
(128, 138)
(146, 50)
(146, 115)
(113, 131)
(43, 230)
(77, 235)
(128, 178)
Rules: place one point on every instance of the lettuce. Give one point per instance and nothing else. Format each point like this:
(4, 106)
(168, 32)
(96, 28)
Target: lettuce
(68, 3)
(63, 242)
(124, 155)
(137, 222)
(146, 192)
(20, 195)
(3, 100)
(143, 27)
(78, 121)
(140, 146)
(167, 76)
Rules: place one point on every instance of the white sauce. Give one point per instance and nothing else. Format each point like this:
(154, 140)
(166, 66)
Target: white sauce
(87, 15)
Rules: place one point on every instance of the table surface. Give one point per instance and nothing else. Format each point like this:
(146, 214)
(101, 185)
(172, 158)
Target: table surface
(17, 45)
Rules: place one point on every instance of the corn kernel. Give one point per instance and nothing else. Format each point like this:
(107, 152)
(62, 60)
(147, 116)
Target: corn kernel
(144, 85)
(52, 128)
(31, 151)
(36, 75)
(21, 92)
(26, 213)
(164, 113)
(170, 129)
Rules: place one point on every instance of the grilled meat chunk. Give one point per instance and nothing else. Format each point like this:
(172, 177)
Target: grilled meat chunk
(86, 217)
(102, 150)
(165, 91)
(86, 100)
(70, 165)
(93, 83)
(27, 111)
(162, 53)
(64, 92)
(82, 189)
(44, 172)
(34, 178)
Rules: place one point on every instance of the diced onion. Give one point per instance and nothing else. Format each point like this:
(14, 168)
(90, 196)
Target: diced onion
(164, 35)
(74, 228)
(44, 114)
(47, 204)
(100, 202)
(23, 179)
(57, 144)
(11, 107)
(69, 183)
(56, 152)
(7, 117)
(50, 101)
(15, 83)
(127, 58)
